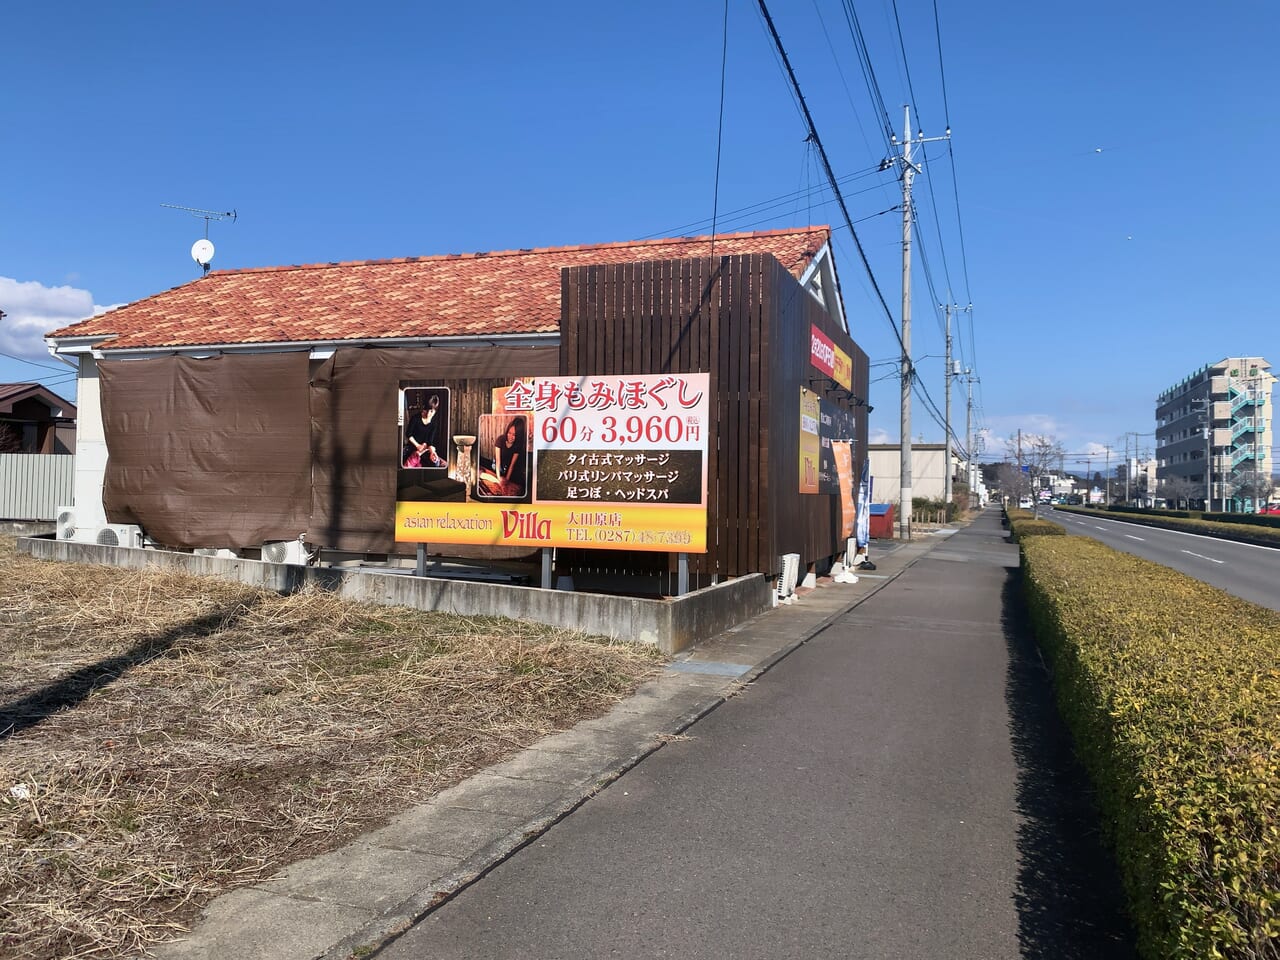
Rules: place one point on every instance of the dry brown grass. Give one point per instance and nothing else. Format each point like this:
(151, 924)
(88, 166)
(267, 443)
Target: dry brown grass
(165, 737)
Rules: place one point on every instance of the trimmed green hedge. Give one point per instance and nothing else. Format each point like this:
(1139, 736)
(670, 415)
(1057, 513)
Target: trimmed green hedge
(1035, 527)
(1249, 519)
(1171, 689)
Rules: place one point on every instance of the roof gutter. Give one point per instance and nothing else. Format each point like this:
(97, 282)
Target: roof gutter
(320, 349)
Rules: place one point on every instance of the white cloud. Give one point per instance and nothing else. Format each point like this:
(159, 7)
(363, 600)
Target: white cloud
(882, 436)
(1034, 426)
(31, 310)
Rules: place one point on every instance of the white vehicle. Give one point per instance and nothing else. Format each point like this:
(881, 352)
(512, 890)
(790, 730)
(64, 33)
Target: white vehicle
(1025, 503)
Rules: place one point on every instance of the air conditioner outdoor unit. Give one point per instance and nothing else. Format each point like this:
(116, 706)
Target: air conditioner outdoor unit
(66, 523)
(787, 578)
(220, 552)
(119, 535)
(286, 551)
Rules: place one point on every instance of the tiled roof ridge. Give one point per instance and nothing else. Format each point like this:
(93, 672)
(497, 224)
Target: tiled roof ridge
(523, 252)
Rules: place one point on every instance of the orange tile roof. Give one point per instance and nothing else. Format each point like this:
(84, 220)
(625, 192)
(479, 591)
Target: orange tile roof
(457, 295)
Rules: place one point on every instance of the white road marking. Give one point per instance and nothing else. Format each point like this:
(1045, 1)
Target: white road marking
(1203, 536)
(1199, 556)
(1139, 539)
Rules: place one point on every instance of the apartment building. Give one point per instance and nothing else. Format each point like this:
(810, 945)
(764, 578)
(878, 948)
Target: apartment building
(1214, 430)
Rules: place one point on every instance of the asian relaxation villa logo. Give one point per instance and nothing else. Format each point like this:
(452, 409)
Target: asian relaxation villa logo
(525, 526)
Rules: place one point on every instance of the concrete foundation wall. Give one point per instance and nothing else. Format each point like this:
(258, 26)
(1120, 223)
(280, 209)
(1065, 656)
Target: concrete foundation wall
(669, 625)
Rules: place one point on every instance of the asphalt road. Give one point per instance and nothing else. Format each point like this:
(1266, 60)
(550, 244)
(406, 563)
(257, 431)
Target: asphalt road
(1243, 570)
(898, 787)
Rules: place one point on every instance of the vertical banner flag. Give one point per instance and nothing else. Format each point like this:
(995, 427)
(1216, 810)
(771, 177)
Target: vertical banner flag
(862, 529)
(843, 453)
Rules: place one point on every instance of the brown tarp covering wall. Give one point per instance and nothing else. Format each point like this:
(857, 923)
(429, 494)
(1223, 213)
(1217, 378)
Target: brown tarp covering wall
(356, 444)
(209, 452)
(236, 450)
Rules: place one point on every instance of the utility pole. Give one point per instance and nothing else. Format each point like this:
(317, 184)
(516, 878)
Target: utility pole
(1107, 500)
(946, 379)
(904, 491)
(952, 371)
(909, 170)
(968, 433)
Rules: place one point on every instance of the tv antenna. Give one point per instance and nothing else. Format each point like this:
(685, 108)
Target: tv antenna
(202, 250)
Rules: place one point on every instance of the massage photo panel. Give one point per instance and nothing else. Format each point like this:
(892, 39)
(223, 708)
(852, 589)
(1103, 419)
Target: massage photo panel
(503, 451)
(425, 443)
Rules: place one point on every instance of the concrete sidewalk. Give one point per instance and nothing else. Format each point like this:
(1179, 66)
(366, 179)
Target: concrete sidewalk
(348, 902)
(899, 787)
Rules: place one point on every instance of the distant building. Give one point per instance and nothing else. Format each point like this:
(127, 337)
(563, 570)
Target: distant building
(928, 472)
(34, 419)
(1214, 430)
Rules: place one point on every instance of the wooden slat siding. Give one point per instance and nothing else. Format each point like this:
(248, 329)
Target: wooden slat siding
(764, 523)
(568, 317)
(726, 503)
(716, 532)
(745, 321)
(755, 506)
(770, 456)
(738, 355)
(756, 387)
(788, 371)
(777, 361)
(643, 312)
(584, 344)
(711, 563)
(747, 438)
(573, 297)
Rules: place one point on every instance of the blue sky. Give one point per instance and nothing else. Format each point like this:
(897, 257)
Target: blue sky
(1110, 215)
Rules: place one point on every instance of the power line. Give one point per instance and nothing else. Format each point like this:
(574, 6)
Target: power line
(813, 132)
(942, 74)
(762, 205)
(46, 366)
(955, 188)
(906, 66)
(843, 82)
(868, 72)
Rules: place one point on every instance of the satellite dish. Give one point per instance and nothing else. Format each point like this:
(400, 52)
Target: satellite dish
(202, 252)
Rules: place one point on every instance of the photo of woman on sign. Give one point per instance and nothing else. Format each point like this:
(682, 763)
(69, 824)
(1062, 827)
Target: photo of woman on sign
(504, 476)
(425, 431)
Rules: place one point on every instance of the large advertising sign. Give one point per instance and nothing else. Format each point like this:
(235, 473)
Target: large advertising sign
(810, 440)
(835, 425)
(823, 428)
(608, 462)
(830, 359)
